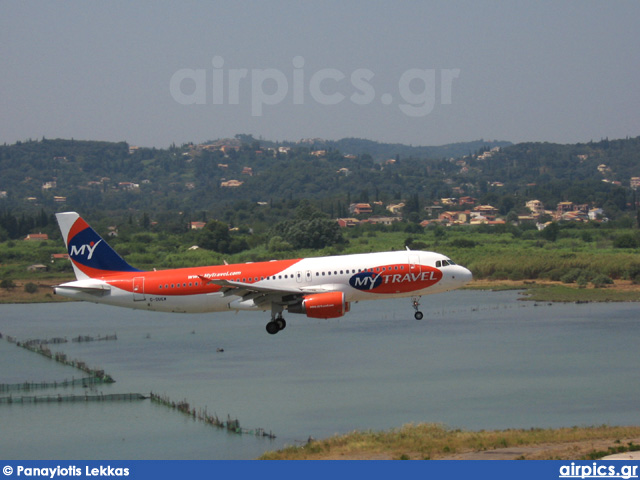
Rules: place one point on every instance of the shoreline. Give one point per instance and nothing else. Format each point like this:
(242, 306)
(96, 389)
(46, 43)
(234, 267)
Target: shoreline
(44, 293)
(533, 290)
(437, 442)
(550, 291)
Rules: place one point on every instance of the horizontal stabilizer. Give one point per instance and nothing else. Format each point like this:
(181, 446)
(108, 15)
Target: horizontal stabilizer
(97, 289)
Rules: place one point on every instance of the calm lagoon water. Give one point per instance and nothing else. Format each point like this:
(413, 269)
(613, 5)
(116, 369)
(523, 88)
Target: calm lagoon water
(478, 360)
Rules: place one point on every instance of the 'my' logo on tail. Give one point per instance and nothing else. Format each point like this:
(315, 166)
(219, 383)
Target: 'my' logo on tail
(81, 250)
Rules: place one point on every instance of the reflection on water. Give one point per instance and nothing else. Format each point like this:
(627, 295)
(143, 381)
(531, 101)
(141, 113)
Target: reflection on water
(478, 360)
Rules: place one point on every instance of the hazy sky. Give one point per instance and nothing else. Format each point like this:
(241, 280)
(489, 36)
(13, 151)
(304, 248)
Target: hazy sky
(422, 73)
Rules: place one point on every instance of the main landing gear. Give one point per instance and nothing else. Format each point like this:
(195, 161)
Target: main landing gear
(416, 304)
(277, 323)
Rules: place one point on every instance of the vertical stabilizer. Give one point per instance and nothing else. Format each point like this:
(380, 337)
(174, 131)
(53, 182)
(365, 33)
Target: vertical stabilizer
(90, 255)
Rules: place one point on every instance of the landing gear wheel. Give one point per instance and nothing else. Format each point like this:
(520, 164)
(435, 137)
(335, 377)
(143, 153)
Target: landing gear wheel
(415, 301)
(272, 328)
(275, 325)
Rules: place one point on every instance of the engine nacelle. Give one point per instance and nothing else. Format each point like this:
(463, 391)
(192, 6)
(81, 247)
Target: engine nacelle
(322, 305)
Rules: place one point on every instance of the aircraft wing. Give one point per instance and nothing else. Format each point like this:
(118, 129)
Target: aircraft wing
(251, 290)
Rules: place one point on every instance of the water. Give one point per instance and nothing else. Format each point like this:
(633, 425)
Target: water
(478, 360)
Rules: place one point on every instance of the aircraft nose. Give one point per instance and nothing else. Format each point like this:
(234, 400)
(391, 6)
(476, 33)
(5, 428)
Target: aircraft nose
(466, 275)
(463, 275)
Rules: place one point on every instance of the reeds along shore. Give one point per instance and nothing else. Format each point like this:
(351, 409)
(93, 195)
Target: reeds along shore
(112, 397)
(40, 346)
(87, 382)
(231, 425)
(99, 376)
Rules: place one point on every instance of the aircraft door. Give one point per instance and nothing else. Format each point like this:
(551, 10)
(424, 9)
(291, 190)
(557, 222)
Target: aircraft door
(138, 289)
(303, 276)
(414, 263)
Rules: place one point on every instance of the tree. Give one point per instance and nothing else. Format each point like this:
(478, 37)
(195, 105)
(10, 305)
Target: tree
(306, 211)
(315, 233)
(506, 204)
(551, 232)
(215, 236)
(277, 244)
(626, 240)
(7, 284)
(412, 204)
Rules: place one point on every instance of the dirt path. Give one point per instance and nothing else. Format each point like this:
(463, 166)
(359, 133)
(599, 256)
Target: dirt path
(561, 451)
(547, 451)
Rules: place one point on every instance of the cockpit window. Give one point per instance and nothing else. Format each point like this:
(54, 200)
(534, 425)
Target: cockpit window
(444, 263)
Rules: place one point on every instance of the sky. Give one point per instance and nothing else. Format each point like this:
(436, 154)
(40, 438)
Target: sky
(153, 73)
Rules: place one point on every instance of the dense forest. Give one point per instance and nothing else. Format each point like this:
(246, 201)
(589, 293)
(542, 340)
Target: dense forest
(165, 189)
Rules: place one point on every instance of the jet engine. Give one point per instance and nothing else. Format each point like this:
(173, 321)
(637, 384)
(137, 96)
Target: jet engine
(322, 305)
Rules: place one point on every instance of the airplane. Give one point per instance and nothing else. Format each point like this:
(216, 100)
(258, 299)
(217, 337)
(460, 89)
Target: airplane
(322, 287)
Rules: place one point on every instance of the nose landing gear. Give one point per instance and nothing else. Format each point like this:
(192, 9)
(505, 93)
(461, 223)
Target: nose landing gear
(416, 305)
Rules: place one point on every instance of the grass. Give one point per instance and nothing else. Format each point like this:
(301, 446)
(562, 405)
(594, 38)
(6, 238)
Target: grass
(432, 441)
(597, 454)
(43, 294)
(564, 293)
(621, 291)
(499, 257)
